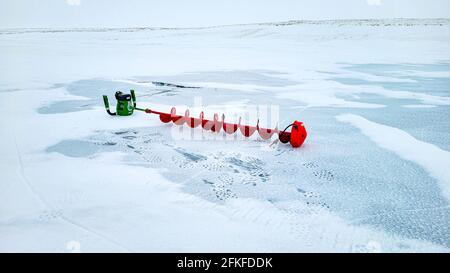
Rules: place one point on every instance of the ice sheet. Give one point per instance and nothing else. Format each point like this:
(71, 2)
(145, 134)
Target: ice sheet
(372, 180)
(430, 157)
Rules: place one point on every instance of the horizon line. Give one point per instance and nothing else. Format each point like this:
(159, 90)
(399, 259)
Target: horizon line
(278, 23)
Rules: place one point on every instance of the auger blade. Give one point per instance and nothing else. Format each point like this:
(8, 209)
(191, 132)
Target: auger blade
(178, 120)
(229, 128)
(265, 133)
(295, 137)
(191, 122)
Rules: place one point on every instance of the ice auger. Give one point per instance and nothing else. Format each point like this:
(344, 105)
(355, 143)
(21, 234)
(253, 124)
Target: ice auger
(126, 104)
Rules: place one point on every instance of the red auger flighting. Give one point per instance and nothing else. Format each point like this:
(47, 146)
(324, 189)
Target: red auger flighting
(126, 104)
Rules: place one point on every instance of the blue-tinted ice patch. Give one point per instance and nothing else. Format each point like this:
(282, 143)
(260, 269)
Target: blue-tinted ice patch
(426, 123)
(435, 86)
(433, 160)
(80, 148)
(381, 69)
(439, 86)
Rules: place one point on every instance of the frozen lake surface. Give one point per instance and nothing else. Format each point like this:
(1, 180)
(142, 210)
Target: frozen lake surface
(372, 175)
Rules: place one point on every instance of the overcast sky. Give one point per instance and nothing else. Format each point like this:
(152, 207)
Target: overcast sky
(192, 13)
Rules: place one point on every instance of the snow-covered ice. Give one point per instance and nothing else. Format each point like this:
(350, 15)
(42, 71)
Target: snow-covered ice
(426, 155)
(372, 175)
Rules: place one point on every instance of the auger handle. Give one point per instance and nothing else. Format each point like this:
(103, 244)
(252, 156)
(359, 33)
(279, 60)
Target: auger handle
(105, 101)
(133, 97)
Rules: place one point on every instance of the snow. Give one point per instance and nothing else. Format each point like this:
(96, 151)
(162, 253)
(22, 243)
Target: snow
(371, 176)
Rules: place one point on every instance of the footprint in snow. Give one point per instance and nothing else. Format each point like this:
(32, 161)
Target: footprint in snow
(310, 165)
(222, 187)
(324, 175)
(313, 199)
(49, 215)
(251, 166)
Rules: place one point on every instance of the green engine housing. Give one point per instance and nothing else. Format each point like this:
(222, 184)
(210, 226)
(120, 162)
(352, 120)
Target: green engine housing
(126, 103)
